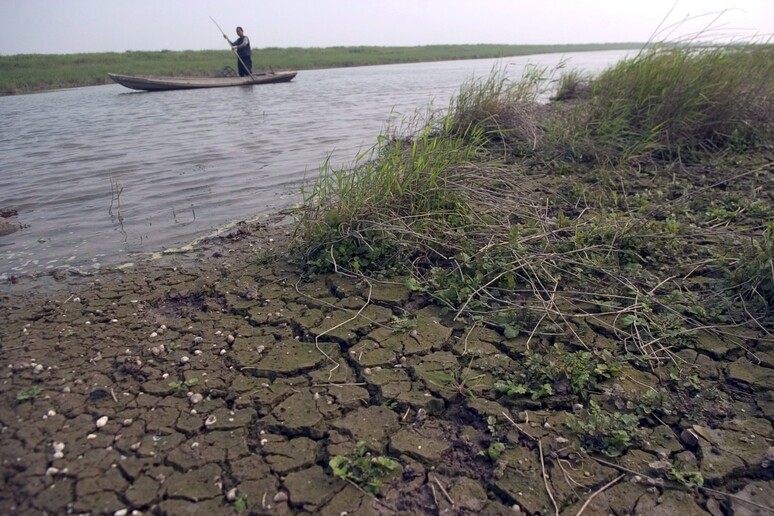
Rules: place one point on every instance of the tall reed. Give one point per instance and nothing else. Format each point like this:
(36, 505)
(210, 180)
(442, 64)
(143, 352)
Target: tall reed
(671, 102)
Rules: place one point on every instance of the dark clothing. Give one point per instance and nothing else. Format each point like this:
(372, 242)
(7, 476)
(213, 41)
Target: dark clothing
(245, 55)
(246, 69)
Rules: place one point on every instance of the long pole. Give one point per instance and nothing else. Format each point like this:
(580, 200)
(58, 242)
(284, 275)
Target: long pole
(235, 51)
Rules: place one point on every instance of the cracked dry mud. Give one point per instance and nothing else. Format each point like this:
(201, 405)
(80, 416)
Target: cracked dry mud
(209, 383)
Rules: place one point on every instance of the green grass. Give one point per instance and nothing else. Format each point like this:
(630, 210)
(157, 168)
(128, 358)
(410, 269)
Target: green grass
(671, 103)
(346, 223)
(514, 214)
(23, 73)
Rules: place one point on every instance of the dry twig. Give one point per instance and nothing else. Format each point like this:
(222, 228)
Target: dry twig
(595, 493)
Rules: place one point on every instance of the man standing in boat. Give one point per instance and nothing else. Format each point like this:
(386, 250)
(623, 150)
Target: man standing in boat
(244, 55)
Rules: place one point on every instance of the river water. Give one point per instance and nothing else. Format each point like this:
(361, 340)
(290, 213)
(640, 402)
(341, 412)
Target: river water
(103, 175)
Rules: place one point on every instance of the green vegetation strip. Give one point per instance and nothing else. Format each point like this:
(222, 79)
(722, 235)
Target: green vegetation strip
(25, 73)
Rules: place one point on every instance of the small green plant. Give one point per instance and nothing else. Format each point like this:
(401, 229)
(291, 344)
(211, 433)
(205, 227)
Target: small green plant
(680, 473)
(493, 452)
(652, 402)
(30, 394)
(240, 505)
(689, 383)
(491, 424)
(403, 323)
(718, 214)
(461, 382)
(184, 385)
(611, 433)
(509, 323)
(559, 371)
(362, 468)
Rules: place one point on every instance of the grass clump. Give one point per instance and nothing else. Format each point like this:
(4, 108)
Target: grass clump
(672, 102)
(573, 84)
(752, 276)
(372, 218)
(501, 110)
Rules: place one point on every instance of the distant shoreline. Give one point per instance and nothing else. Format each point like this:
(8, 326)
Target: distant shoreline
(33, 73)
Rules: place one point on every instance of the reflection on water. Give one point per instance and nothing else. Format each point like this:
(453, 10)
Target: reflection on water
(101, 174)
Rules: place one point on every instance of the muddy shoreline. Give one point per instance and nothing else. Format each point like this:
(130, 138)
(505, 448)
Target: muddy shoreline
(219, 382)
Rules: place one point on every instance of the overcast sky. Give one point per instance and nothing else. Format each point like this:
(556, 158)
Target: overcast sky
(72, 26)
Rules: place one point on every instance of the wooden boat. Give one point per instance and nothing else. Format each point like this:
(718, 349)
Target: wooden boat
(161, 83)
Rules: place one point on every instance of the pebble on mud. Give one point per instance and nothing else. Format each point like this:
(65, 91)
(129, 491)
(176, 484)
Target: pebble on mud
(231, 495)
(58, 449)
(102, 421)
(184, 360)
(198, 340)
(195, 398)
(230, 339)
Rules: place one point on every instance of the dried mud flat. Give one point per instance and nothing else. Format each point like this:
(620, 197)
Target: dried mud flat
(216, 383)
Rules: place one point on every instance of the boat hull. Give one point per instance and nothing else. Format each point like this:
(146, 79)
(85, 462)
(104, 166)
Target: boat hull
(161, 83)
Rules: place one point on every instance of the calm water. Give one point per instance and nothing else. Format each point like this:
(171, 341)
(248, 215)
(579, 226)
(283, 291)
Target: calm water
(101, 175)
